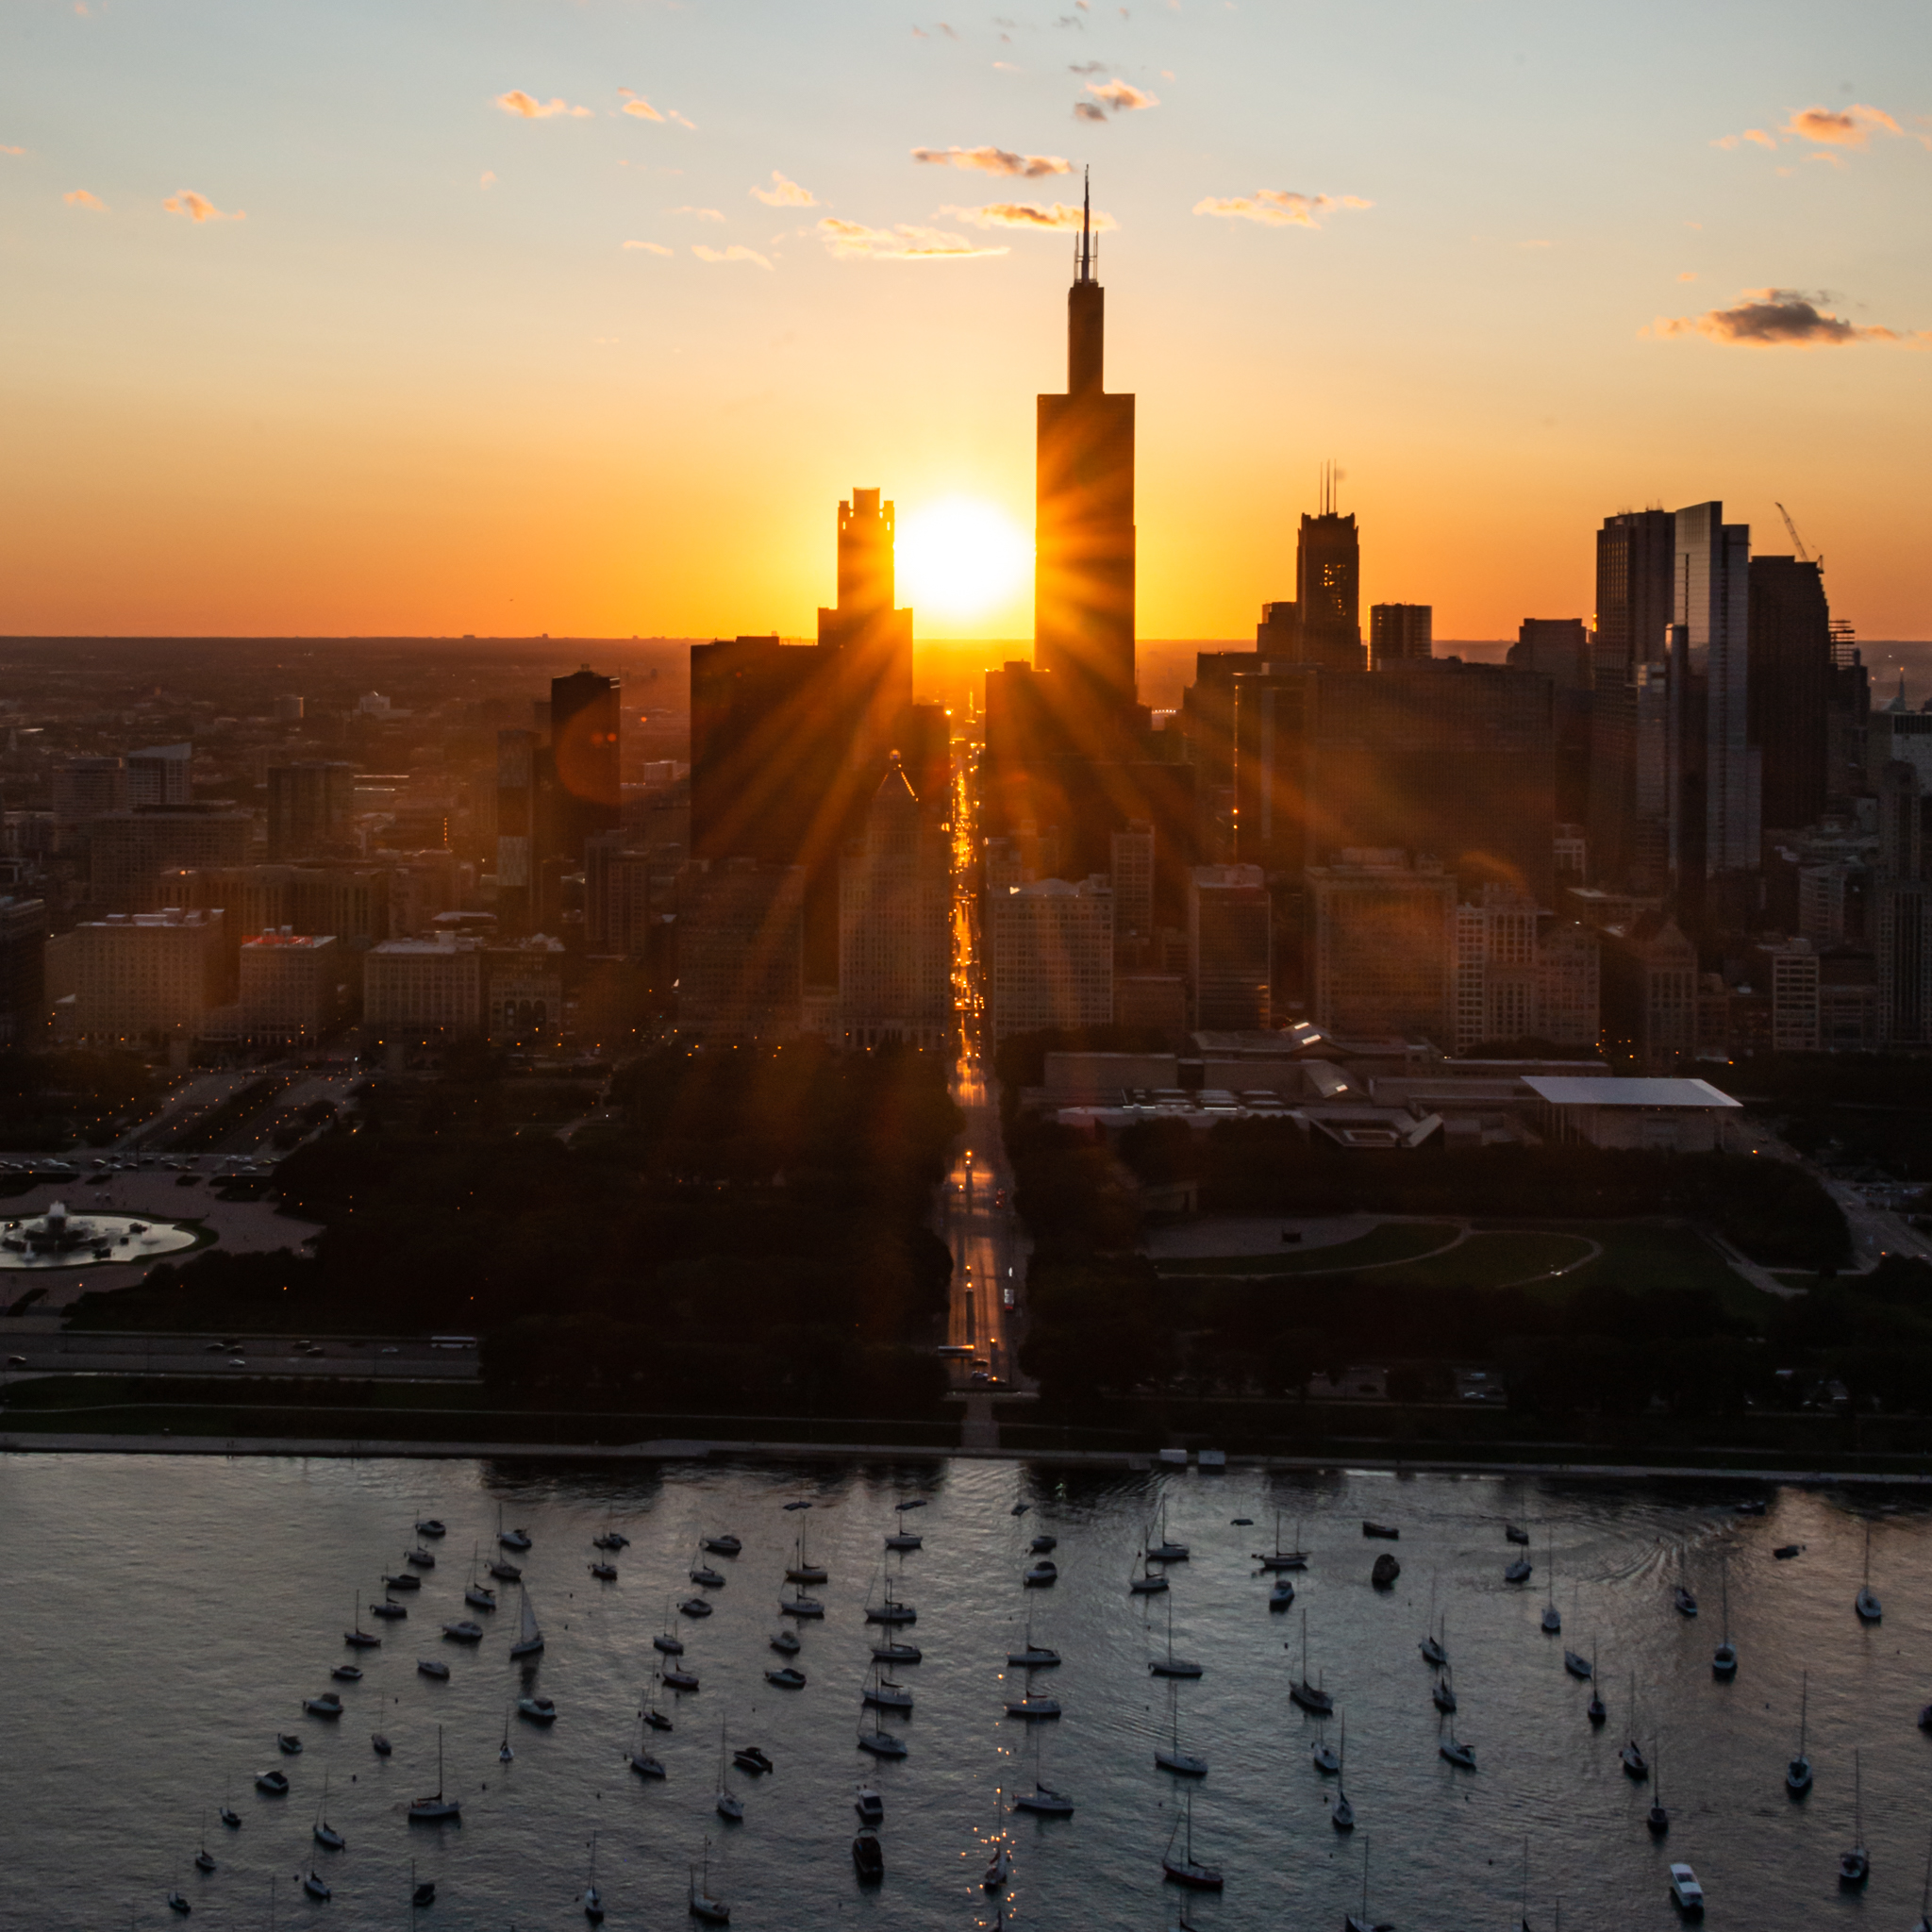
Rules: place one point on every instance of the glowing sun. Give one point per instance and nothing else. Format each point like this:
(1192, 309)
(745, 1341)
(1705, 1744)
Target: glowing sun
(959, 556)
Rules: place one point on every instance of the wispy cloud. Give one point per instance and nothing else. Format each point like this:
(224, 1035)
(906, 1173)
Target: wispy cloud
(855, 241)
(737, 252)
(784, 194)
(1781, 318)
(1852, 127)
(1026, 214)
(1278, 208)
(198, 207)
(487, 178)
(1828, 128)
(6, 149)
(650, 247)
(637, 104)
(1088, 67)
(1121, 96)
(1086, 110)
(994, 160)
(704, 214)
(528, 108)
(79, 197)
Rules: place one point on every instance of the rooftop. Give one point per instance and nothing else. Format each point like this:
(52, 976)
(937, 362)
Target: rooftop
(1612, 1092)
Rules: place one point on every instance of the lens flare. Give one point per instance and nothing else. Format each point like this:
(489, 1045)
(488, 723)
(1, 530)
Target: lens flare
(961, 555)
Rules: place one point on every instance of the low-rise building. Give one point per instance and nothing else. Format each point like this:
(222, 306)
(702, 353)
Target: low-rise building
(146, 978)
(1663, 1116)
(425, 986)
(289, 988)
(525, 995)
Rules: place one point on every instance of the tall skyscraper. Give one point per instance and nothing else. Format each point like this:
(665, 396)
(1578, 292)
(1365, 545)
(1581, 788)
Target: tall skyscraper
(1714, 564)
(1083, 595)
(1328, 585)
(1791, 687)
(1231, 949)
(872, 638)
(1400, 633)
(1636, 604)
(586, 751)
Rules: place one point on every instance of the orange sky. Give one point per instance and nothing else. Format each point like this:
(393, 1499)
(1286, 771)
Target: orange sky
(404, 375)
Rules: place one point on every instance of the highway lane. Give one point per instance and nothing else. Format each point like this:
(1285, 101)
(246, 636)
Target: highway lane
(989, 1247)
(85, 1353)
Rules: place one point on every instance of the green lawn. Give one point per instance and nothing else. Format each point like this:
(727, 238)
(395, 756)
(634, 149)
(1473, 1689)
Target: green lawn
(1392, 1241)
(1493, 1260)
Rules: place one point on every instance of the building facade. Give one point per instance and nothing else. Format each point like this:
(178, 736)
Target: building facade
(1050, 946)
(896, 929)
(1382, 955)
(1231, 949)
(147, 978)
(425, 987)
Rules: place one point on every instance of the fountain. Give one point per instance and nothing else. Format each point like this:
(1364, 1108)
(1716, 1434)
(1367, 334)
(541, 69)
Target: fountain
(60, 1239)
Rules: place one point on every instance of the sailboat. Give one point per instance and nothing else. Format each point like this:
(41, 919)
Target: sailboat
(1798, 1772)
(1036, 1656)
(530, 1638)
(1656, 1819)
(884, 1694)
(1342, 1816)
(730, 1805)
(176, 1901)
(1278, 1559)
(510, 1538)
(1686, 1603)
(1724, 1660)
(1596, 1711)
(1170, 1757)
(1855, 1866)
(1457, 1753)
(1184, 1870)
(1044, 1800)
(593, 1899)
(999, 1867)
(1310, 1698)
(505, 1752)
(1435, 1651)
(204, 1858)
(325, 1832)
(890, 1611)
(1146, 1581)
(1553, 1618)
(713, 1911)
(437, 1807)
(1631, 1756)
(639, 1759)
(1867, 1605)
(228, 1814)
(1443, 1693)
(1164, 1551)
(1326, 1758)
(354, 1636)
(668, 1643)
(1171, 1665)
(1360, 1921)
(880, 1742)
(803, 1569)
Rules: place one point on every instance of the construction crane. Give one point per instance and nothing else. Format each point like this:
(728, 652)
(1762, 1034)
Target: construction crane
(1797, 542)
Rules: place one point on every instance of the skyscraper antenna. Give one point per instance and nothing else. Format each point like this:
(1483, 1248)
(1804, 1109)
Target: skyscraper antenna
(1087, 225)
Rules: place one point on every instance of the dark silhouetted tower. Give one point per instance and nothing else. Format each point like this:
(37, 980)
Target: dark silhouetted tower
(1327, 585)
(872, 639)
(1083, 595)
(1790, 687)
(1636, 604)
(585, 754)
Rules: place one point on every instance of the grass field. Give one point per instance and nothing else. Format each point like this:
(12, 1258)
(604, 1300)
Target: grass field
(1392, 1241)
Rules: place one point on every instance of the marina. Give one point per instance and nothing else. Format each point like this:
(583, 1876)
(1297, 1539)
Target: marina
(173, 1620)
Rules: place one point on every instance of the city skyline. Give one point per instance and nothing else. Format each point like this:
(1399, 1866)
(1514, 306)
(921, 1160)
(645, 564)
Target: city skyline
(382, 360)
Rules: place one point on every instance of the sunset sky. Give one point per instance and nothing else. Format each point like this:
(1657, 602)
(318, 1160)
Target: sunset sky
(512, 316)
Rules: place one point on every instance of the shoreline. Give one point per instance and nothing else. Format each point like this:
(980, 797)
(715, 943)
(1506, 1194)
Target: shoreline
(672, 1449)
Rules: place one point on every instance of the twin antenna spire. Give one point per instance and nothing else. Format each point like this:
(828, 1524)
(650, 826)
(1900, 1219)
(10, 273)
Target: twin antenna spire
(1086, 251)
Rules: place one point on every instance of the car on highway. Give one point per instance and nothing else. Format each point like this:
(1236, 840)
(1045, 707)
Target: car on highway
(953, 1351)
(1010, 1297)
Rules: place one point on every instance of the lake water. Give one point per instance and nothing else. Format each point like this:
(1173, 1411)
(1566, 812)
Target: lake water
(166, 1616)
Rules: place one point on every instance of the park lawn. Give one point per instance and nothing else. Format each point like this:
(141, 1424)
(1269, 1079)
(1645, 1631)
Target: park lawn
(1496, 1258)
(1392, 1241)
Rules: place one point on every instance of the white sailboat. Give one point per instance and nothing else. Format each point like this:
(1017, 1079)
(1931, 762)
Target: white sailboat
(1303, 1692)
(529, 1638)
(998, 1866)
(1553, 1618)
(1342, 1816)
(1855, 1866)
(1723, 1660)
(1278, 1559)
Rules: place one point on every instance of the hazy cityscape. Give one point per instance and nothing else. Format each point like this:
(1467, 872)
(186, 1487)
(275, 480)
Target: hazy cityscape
(1063, 1272)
